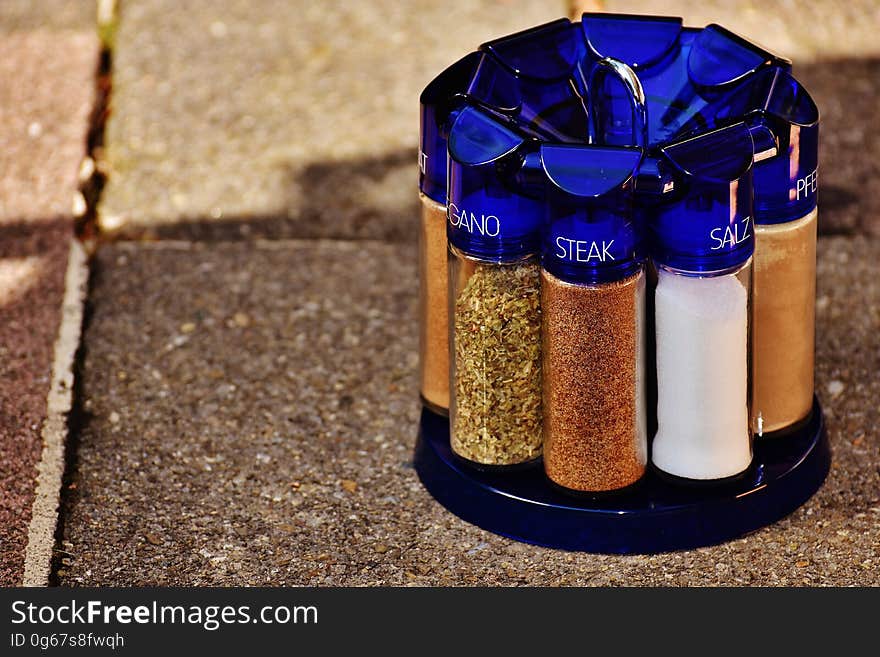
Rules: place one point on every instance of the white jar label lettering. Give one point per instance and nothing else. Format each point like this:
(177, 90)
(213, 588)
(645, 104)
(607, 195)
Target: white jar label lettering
(807, 185)
(583, 250)
(423, 162)
(484, 224)
(729, 236)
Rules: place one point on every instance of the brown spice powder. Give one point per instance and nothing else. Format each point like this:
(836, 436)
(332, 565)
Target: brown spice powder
(595, 433)
(496, 410)
(433, 306)
(784, 328)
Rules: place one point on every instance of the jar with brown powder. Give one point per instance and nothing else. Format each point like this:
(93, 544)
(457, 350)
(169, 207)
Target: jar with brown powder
(786, 190)
(593, 320)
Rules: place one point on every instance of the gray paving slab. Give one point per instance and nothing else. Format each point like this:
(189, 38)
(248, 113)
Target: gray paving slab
(801, 30)
(250, 413)
(846, 93)
(281, 119)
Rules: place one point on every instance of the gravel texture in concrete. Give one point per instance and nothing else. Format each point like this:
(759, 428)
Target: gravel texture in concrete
(250, 412)
(800, 30)
(33, 259)
(281, 119)
(48, 55)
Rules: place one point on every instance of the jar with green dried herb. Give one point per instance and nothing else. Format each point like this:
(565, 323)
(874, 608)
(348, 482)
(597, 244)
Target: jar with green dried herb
(493, 231)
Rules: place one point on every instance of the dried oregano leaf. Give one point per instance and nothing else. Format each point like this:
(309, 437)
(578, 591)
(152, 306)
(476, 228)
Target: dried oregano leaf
(497, 415)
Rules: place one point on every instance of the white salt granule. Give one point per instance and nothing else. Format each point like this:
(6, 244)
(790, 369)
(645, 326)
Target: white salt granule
(702, 376)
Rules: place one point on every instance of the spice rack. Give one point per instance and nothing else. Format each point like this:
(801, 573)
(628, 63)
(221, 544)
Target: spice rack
(653, 516)
(535, 108)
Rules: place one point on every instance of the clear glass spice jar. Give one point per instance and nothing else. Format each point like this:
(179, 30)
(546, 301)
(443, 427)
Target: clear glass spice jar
(593, 321)
(541, 96)
(703, 242)
(438, 102)
(593, 298)
(494, 296)
(786, 217)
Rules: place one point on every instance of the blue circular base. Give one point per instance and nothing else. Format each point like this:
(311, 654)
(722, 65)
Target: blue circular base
(653, 516)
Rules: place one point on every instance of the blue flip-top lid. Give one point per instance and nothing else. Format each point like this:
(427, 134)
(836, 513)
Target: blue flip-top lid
(705, 223)
(786, 185)
(544, 63)
(494, 213)
(590, 234)
(531, 78)
(681, 69)
(438, 102)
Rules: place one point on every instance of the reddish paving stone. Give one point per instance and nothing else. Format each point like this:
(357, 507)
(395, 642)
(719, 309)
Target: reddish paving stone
(45, 101)
(48, 57)
(33, 259)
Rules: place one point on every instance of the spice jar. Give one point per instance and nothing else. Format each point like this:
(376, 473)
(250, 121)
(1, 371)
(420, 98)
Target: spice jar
(703, 241)
(438, 102)
(592, 304)
(479, 78)
(786, 217)
(494, 296)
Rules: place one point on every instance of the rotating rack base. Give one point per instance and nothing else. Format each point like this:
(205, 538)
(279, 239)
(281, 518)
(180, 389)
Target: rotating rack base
(652, 516)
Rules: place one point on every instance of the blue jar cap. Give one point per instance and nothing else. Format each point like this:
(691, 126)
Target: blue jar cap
(786, 184)
(785, 126)
(546, 52)
(475, 78)
(705, 223)
(590, 233)
(493, 213)
(438, 101)
(637, 41)
(544, 63)
(683, 70)
(719, 58)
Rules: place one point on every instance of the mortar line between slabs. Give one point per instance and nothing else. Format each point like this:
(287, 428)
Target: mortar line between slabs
(50, 469)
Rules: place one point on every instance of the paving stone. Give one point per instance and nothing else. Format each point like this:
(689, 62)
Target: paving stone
(846, 93)
(45, 100)
(800, 30)
(250, 414)
(33, 259)
(48, 55)
(281, 119)
(56, 15)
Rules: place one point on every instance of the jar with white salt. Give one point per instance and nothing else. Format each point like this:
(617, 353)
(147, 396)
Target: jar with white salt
(703, 241)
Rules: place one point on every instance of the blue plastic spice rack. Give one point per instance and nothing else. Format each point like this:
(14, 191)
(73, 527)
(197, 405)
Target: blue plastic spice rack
(693, 81)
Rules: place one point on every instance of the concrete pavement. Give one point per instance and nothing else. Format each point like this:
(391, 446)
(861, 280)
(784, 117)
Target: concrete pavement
(48, 58)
